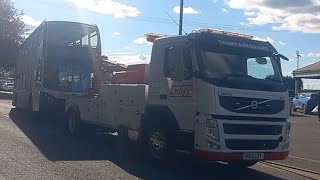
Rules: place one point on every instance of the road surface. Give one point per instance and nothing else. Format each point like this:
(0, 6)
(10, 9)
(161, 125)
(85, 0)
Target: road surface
(42, 149)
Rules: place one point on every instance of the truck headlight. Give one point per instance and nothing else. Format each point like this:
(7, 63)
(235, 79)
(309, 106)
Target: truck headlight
(212, 144)
(212, 129)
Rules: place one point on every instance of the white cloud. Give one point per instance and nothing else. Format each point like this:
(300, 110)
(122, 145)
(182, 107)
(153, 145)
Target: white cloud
(244, 24)
(110, 7)
(264, 18)
(291, 15)
(289, 73)
(264, 39)
(249, 13)
(30, 21)
(282, 43)
(130, 59)
(313, 54)
(224, 10)
(186, 10)
(141, 40)
(307, 23)
(116, 35)
(215, 1)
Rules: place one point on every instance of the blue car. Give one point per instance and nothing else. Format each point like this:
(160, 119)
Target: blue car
(305, 102)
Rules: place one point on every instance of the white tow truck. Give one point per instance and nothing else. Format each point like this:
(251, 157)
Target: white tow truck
(218, 95)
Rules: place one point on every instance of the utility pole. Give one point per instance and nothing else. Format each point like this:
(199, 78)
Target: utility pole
(298, 58)
(296, 80)
(181, 17)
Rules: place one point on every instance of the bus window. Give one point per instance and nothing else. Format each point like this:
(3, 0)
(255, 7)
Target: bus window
(94, 40)
(85, 41)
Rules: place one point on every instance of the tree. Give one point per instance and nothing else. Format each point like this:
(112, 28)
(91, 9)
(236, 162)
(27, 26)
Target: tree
(11, 31)
(289, 81)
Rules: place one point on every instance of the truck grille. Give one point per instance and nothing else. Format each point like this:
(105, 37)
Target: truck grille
(251, 105)
(252, 129)
(237, 144)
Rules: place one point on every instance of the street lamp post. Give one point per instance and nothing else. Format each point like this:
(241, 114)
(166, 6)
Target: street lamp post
(295, 80)
(298, 58)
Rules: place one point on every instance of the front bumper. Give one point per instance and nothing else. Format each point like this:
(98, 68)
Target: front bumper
(236, 137)
(222, 156)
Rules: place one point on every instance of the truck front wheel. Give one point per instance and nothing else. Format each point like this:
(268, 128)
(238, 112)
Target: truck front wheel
(159, 146)
(73, 122)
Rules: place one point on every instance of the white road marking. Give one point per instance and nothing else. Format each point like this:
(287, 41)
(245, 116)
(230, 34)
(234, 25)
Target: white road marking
(296, 170)
(297, 157)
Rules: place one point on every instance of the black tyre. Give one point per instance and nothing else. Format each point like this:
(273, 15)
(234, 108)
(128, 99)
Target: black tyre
(304, 109)
(73, 123)
(14, 101)
(293, 107)
(30, 108)
(242, 164)
(159, 145)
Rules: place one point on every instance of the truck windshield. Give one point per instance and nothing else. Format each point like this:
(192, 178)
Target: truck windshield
(241, 71)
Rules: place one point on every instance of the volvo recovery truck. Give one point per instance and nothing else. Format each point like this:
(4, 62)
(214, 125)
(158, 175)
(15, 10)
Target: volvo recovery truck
(218, 95)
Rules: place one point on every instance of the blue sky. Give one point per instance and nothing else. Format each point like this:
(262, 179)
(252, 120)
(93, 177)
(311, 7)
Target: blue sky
(289, 25)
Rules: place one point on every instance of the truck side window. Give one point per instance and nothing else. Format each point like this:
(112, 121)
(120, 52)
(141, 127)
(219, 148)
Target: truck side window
(172, 60)
(187, 62)
(169, 65)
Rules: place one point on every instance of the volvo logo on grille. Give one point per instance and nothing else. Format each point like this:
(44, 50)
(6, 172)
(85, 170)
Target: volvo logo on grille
(254, 104)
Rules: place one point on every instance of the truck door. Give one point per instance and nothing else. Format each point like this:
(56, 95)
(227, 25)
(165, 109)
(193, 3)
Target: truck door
(181, 95)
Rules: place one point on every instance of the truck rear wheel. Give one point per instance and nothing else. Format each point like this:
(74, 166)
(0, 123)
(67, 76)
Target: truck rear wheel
(73, 122)
(159, 146)
(242, 164)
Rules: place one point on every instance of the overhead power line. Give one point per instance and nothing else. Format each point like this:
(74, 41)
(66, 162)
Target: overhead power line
(175, 22)
(157, 20)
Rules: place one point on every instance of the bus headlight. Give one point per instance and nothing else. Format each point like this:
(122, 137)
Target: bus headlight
(212, 129)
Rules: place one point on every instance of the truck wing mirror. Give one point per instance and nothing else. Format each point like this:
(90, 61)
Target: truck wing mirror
(283, 57)
(278, 56)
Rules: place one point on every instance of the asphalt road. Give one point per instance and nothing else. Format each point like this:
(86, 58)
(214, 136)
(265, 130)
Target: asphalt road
(305, 142)
(42, 149)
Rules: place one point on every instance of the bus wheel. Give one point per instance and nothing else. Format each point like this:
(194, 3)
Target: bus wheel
(16, 102)
(73, 122)
(158, 144)
(242, 164)
(30, 108)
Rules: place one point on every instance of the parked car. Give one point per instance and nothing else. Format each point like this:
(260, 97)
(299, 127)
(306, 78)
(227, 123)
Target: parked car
(305, 102)
(7, 87)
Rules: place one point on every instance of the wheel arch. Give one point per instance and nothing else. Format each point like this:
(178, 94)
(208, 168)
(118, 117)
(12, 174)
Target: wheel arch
(72, 108)
(160, 114)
